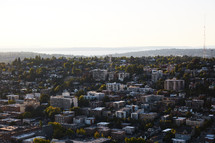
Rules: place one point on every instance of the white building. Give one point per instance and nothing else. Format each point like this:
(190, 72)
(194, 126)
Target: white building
(115, 87)
(94, 95)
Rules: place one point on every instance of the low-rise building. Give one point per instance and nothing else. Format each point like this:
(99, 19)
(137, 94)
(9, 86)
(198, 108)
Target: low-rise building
(63, 102)
(174, 84)
(193, 121)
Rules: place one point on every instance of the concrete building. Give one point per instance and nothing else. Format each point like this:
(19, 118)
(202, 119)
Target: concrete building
(90, 120)
(195, 122)
(99, 74)
(91, 95)
(66, 117)
(13, 97)
(62, 102)
(174, 84)
(122, 76)
(156, 75)
(194, 104)
(129, 129)
(115, 87)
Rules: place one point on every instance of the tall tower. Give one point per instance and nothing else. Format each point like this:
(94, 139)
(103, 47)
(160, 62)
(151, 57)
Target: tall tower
(204, 47)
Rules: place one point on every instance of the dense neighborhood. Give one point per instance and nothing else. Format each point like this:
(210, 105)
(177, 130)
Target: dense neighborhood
(159, 99)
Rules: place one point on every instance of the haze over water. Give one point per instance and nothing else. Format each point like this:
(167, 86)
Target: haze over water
(96, 51)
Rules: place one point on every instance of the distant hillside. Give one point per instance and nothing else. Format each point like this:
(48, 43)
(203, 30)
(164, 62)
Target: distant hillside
(168, 52)
(10, 56)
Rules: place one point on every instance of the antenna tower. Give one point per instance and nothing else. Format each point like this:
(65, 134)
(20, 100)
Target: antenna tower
(204, 47)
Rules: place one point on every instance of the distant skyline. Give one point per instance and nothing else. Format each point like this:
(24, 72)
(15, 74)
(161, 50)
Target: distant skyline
(34, 25)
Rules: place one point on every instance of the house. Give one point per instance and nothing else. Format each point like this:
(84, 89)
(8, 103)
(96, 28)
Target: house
(129, 130)
(122, 113)
(117, 134)
(97, 112)
(184, 133)
(89, 120)
(105, 131)
(31, 140)
(118, 104)
(210, 138)
(79, 119)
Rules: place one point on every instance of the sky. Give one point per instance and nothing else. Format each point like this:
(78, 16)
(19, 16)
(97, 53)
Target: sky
(29, 25)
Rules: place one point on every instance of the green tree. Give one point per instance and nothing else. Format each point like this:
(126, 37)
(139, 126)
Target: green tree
(11, 101)
(52, 111)
(39, 140)
(134, 140)
(59, 131)
(83, 102)
(44, 98)
(70, 133)
(96, 135)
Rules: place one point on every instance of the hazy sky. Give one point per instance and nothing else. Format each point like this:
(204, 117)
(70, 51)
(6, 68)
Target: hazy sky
(30, 24)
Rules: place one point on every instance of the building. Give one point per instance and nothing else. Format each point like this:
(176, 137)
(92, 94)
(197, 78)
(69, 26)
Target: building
(13, 97)
(151, 98)
(63, 102)
(183, 134)
(31, 102)
(13, 107)
(66, 117)
(123, 113)
(90, 120)
(117, 134)
(118, 104)
(97, 112)
(122, 76)
(156, 75)
(115, 87)
(179, 120)
(129, 130)
(91, 95)
(194, 121)
(99, 74)
(194, 104)
(79, 119)
(174, 84)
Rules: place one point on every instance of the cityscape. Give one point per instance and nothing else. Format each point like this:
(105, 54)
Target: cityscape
(107, 71)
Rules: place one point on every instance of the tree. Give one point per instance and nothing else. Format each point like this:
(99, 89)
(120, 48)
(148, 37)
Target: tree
(52, 111)
(70, 133)
(11, 101)
(102, 87)
(27, 115)
(83, 102)
(44, 98)
(59, 131)
(41, 123)
(96, 135)
(39, 140)
(134, 140)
